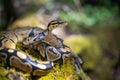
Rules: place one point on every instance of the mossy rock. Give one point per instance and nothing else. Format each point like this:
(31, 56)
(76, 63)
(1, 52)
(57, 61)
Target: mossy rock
(98, 63)
(87, 47)
(59, 72)
(31, 20)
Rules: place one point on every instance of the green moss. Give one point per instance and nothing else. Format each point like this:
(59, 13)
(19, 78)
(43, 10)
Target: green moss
(87, 47)
(32, 52)
(3, 78)
(27, 20)
(84, 76)
(59, 72)
(63, 72)
(3, 73)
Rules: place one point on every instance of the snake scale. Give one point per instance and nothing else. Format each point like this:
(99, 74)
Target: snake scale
(49, 45)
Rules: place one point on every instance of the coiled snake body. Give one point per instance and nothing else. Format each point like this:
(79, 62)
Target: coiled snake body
(49, 45)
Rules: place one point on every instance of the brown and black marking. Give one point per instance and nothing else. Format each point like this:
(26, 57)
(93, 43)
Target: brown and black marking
(49, 45)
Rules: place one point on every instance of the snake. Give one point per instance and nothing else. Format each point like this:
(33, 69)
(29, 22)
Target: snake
(49, 45)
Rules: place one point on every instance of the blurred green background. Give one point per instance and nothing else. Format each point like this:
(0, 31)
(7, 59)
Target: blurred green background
(93, 31)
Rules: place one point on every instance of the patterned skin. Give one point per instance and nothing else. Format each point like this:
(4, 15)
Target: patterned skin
(50, 47)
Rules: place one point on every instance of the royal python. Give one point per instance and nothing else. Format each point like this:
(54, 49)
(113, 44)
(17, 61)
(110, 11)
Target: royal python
(49, 45)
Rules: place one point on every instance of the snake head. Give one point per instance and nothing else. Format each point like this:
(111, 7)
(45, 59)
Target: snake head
(56, 23)
(42, 35)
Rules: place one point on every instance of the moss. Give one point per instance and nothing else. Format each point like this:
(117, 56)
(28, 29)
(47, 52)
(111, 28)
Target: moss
(27, 20)
(59, 72)
(97, 61)
(83, 76)
(87, 47)
(63, 72)
(77, 43)
(3, 78)
(3, 72)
